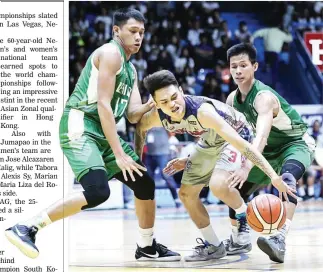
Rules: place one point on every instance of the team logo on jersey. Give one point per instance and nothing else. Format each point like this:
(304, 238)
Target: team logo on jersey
(188, 165)
(192, 122)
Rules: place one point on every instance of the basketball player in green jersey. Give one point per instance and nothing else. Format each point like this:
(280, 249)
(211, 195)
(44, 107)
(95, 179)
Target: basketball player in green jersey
(106, 90)
(280, 135)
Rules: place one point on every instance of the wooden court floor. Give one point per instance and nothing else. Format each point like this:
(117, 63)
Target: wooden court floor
(106, 240)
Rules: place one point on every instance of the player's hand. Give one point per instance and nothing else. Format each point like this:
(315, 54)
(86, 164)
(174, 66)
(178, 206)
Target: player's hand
(150, 104)
(283, 188)
(238, 177)
(127, 164)
(175, 166)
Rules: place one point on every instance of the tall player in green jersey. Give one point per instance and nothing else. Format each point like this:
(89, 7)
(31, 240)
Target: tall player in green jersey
(280, 134)
(106, 90)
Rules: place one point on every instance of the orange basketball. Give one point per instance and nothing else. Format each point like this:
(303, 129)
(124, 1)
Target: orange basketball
(266, 213)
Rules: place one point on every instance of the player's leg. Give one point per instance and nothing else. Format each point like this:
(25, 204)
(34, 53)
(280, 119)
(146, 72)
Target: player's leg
(196, 175)
(296, 158)
(236, 244)
(83, 155)
(144, 191)
(147, 247)
(229, 161)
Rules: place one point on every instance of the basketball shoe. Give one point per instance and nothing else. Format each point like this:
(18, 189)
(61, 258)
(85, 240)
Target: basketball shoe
(156, 252)
(240, 239)
(274, 247)
(24, 238)
(206, 251)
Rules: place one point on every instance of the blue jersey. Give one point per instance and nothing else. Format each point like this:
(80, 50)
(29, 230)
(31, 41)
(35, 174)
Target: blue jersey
(191, 125)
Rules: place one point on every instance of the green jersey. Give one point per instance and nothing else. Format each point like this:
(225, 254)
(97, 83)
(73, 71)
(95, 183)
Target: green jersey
(85, 95)
(287, 125)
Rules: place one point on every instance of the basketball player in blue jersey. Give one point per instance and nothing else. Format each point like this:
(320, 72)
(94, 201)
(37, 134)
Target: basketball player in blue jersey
(225, 139)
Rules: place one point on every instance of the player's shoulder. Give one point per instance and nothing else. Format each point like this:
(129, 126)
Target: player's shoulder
(108, 54)
(230, 97)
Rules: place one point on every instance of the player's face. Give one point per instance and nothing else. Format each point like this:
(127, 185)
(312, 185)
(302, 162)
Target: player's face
(241, 69)
(170, 100)
(131, 34)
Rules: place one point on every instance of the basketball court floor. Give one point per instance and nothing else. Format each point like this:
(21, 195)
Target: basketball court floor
(110, 242)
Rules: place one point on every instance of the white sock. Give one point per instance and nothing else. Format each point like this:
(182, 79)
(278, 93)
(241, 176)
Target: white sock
(146, 237)
(234, 233)
(285, 228)
(209, 235)
(40, 221)
(234, 229)
(241, 209)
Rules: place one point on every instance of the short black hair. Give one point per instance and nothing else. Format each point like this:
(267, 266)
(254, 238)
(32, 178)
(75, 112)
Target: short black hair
(159, 80)
(243, 48)
(121, 16)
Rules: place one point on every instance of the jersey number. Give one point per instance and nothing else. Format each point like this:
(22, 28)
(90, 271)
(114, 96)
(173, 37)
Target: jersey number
(121, 103)
(233, 157)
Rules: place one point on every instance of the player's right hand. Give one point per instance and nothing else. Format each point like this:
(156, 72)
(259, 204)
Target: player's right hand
(175, 166)
(127, 164)
(283, 188)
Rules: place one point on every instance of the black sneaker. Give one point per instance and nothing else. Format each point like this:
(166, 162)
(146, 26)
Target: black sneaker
(24, 238)
(156, 252)
(274, 247)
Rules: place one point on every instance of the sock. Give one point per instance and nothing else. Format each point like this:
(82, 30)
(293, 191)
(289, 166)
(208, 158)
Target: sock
(146, 237)
(234, 229)
(40, 221)
(234, 233)
(210, 236)
(285, 228)
(241, 211)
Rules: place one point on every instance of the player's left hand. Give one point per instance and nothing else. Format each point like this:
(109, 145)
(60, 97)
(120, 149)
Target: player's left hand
(238, 177)
(175, 166)
(283, 188)
(150, 104)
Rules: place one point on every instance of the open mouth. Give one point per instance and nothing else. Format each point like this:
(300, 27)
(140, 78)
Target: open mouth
(175, 110)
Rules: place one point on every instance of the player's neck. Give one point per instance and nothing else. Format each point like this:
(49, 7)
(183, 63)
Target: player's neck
(246, 87)
(119, 41)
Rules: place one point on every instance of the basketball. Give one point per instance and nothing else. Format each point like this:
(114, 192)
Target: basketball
(266, 213)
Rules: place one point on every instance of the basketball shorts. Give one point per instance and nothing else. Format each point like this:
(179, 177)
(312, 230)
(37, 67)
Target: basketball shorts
(301, 150)
(85, 146)
(202, 162)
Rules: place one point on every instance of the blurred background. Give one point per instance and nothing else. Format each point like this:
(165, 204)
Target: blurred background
(191, 39)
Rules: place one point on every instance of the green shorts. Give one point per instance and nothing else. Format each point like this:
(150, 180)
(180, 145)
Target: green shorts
(301, 150)
(85, 146)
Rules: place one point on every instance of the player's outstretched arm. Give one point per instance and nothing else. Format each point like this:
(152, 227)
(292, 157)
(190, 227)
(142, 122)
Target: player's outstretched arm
(109, 64)
(209, 118)
(135, 108)
(148, 120)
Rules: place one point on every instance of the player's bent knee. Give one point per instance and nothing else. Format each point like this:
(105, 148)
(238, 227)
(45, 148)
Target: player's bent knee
(96, 188)
(219, 188)
(144, 187)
